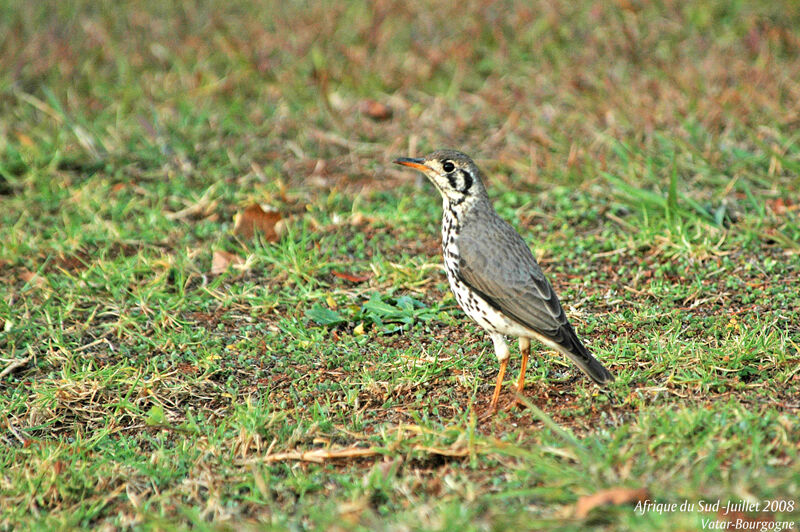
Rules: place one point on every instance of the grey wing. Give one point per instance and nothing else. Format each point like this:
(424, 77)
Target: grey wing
(503, 272)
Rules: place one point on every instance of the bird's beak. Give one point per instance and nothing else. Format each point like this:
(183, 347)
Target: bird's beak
(417, 164)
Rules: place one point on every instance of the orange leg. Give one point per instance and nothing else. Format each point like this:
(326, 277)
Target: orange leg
(525, 350)
(499, 384)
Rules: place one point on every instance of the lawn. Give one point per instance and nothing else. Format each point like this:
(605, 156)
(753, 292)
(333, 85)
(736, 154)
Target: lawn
(161, 368)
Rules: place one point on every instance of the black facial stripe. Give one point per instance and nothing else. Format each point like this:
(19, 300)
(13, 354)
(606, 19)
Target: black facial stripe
(452, 178)
(467, 177)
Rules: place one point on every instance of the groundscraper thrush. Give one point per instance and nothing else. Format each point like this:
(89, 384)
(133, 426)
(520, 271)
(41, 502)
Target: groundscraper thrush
(492, 272)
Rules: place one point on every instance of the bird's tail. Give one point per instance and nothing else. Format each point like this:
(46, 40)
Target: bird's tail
(578, 353)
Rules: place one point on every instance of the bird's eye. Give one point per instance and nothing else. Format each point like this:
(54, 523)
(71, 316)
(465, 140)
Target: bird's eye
(448, 166)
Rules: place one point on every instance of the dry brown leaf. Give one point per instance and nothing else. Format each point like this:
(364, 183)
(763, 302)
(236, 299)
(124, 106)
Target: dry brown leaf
(350, 277)
(376, 110)
(781, 205)
(253, 219)
(610, 496)
(27, 275)
(33, 279)
(222, 259)
(25, 140)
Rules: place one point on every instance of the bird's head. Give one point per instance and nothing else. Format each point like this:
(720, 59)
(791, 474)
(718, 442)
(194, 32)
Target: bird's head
(456, 176)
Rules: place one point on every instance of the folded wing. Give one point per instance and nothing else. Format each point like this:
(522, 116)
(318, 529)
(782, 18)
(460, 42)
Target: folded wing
(503, 272)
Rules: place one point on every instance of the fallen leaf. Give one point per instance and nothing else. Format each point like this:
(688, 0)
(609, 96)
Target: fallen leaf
(222, 259)
(253, 219)
(376, 110)
(350, 277)
(25, 140)
(781, 205)
(610, 496)
(331, 303)
(188, 369)
(33, 279)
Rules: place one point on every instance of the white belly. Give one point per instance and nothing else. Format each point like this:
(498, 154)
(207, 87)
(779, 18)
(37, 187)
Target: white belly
(483, 313)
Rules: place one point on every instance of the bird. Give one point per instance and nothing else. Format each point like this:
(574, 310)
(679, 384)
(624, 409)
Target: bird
(493, 274)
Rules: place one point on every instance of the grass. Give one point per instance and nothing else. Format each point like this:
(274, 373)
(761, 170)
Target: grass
(647, 152)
